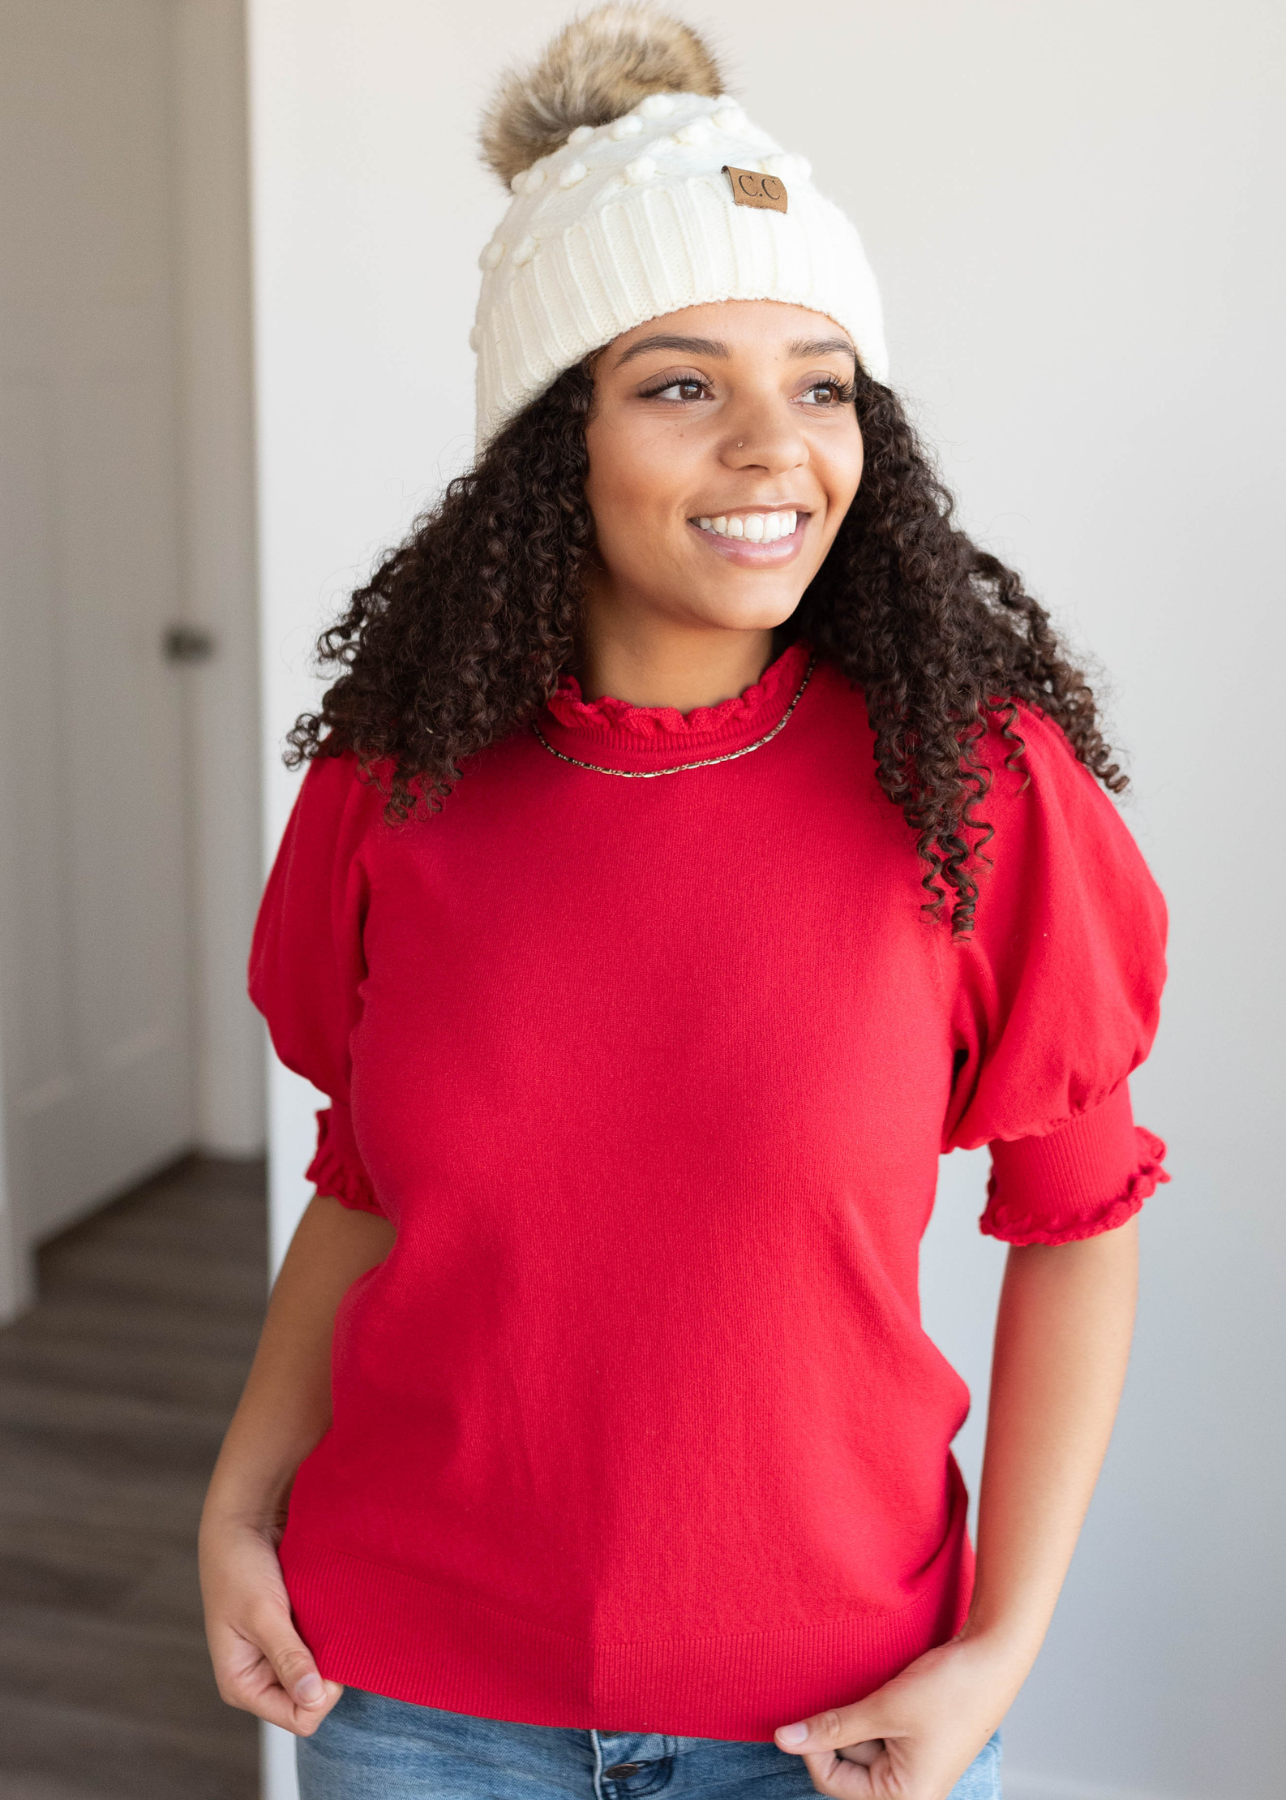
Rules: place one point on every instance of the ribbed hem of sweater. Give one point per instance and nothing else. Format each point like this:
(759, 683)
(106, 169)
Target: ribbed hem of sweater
(1087, 1177)
(336, 1169)
(378, 1628)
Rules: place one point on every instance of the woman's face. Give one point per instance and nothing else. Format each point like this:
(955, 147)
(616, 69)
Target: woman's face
(724, 451)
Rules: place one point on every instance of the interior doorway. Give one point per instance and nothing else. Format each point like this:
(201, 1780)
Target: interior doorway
(128, 747)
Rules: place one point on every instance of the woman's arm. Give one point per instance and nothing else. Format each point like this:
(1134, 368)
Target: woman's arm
(260, 1661)
(1062, 1341)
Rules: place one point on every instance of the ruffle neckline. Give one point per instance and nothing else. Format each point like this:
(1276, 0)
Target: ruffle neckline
(660, 728)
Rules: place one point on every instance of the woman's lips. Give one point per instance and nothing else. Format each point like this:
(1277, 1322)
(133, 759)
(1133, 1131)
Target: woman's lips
(746, 550)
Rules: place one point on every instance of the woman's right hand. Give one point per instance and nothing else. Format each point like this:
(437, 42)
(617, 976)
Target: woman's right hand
(261, 1663)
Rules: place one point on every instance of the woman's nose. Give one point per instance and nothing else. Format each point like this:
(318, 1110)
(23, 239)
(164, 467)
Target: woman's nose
(764, 436)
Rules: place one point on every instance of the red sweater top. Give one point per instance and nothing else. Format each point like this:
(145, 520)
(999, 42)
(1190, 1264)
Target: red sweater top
(637, 1427)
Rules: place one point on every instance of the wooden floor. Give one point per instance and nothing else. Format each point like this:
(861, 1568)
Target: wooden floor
(114, 1393)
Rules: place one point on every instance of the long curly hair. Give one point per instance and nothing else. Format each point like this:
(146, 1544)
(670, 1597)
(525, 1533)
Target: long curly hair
(463, 632)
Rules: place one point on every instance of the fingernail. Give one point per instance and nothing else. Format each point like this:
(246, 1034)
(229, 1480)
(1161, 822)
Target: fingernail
(792, 1734)
(310, 1690)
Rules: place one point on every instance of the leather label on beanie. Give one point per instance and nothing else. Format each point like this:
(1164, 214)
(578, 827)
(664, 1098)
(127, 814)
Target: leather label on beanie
(752, 189)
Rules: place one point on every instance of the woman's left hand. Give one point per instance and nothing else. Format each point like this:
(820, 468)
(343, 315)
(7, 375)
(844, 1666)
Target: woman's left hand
(913, 1738)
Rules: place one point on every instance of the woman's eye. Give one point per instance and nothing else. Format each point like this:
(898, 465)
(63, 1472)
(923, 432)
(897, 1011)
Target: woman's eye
(688, 389)
(823, 393)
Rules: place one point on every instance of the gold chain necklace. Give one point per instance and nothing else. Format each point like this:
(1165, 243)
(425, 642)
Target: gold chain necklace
(678, 768)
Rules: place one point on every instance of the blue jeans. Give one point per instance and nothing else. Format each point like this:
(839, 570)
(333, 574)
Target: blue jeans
(369, 1748)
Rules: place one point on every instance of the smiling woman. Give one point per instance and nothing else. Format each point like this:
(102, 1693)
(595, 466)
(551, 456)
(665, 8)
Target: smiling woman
(524, 577)
(594, 1444)
(742, 457)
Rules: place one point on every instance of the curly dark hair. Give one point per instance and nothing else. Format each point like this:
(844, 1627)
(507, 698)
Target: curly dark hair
(464, 630)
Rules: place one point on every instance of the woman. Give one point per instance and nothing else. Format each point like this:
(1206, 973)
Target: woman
(701, 835)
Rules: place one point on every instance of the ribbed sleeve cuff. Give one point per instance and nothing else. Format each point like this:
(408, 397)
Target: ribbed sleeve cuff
(1087, 1177)
(337, 1168)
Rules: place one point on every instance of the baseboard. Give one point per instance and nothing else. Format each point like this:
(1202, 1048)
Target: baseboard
(277, 1764)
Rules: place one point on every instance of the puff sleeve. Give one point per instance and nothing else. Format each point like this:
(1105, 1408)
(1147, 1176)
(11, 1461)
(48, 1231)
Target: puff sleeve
(307, 964)
(1056, 1000)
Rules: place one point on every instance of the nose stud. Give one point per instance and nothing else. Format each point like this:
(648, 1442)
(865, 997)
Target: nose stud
(741, 442)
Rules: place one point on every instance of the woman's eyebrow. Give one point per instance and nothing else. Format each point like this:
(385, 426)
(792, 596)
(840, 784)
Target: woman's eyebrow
(693, 346)
(801, 349)
(810, 347)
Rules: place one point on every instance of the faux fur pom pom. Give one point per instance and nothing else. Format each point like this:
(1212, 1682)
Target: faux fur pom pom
(601, 66)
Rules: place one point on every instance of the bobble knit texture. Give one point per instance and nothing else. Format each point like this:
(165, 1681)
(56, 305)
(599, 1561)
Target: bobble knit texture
(635, 219)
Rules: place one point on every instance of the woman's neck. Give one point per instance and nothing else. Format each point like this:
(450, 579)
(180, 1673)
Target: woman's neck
(665, 663)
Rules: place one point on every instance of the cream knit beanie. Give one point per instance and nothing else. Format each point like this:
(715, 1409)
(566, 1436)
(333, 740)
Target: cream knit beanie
(616, 146)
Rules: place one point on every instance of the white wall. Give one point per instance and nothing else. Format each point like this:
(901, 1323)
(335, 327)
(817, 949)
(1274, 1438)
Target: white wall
(1074, 212)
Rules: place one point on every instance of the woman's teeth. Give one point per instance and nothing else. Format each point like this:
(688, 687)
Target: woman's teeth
(756, 528)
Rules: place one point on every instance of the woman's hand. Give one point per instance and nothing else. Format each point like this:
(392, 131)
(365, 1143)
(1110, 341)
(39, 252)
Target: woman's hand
(1062, 1340)
(913, 1738)
(261, 1663)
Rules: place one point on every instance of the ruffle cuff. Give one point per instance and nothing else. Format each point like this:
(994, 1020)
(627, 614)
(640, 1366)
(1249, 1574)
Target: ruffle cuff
(337, 1168)
(1089, 1176)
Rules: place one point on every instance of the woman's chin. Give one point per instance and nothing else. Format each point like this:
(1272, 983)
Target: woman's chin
(758, 606)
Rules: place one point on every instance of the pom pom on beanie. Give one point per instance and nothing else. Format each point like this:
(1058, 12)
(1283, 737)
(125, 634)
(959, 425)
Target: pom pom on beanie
(595, 71)
(615, 145)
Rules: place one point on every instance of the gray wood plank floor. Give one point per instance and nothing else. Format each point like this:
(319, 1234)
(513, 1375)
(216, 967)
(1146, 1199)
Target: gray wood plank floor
(114, 1393)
